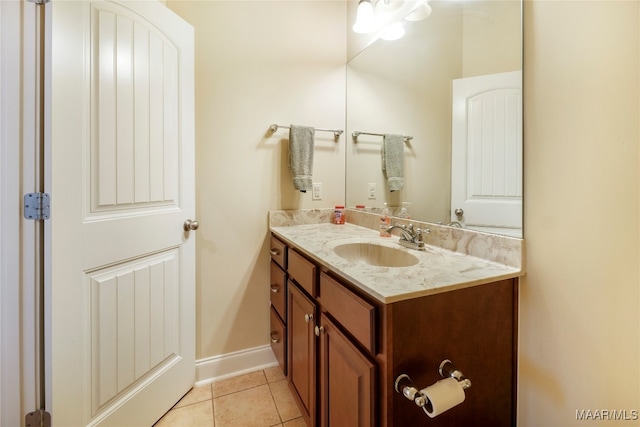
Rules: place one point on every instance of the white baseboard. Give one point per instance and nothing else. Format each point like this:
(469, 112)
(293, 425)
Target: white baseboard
(236, 363)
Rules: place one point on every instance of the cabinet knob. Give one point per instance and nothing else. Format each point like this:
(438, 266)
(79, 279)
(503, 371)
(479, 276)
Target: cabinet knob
(319, 330)
(274, 252)
(275, 289)
(308, 317)
(274, 337)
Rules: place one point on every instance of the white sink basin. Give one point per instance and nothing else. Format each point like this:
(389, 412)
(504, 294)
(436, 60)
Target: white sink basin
(378, 255)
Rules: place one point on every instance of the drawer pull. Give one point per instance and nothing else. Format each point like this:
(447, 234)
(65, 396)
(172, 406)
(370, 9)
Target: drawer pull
(308, 317)
(276, 339)
(274, 252)
(275, 289)
(319, 330)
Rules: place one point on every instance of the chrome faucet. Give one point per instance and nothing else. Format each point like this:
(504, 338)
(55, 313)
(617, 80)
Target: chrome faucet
(410, 238)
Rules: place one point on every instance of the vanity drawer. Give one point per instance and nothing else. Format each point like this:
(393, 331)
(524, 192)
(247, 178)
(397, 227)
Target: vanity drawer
(278, 339)
(278, 291)
(354, 313)
(303, 272)
(278, 252)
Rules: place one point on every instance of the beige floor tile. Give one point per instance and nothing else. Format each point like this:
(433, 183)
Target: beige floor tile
(241, 382)
(274, 374)
(249, 408)
(287, 407)
(195, 395)
(196, 415)
(298, 422)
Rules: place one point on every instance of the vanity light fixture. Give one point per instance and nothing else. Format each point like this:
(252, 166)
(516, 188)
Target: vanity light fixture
(387, 17)
(365, 18)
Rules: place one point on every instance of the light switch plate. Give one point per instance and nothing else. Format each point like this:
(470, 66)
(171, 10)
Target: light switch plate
(372, 190)
(316, 194)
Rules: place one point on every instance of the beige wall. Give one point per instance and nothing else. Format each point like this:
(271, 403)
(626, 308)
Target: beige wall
(579, 322)
(257, 63)
(506, 52)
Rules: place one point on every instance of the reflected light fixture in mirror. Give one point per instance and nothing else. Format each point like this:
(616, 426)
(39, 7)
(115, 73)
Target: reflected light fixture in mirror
(387, 17)
(365, 18)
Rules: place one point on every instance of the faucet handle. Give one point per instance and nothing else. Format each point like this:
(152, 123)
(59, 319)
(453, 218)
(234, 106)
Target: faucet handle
(421, 231)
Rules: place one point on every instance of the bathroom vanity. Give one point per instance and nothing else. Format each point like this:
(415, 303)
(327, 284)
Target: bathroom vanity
(343, 329)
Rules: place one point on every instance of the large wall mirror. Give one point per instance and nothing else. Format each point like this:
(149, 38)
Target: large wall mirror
(453, 84)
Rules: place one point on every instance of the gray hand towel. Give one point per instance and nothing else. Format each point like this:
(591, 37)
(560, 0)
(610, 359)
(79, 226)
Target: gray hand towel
(393, 161)
(301, 156)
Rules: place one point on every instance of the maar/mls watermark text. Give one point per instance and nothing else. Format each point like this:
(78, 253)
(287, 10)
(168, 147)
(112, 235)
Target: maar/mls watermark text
(606, 414)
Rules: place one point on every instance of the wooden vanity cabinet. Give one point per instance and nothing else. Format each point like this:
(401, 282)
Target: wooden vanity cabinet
(347, 370)
(475, 328)
(347, 379)
(301, 316)
(345, 349)
(278, 301)
(302, 313)
(279, 252)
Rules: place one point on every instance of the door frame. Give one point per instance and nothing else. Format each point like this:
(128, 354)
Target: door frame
(19, 335)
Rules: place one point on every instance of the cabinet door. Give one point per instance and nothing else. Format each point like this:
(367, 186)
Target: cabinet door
(347, 380)
(302, 350)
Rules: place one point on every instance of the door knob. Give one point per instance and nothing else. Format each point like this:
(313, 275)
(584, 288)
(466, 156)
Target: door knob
(190, 225)
(459, 212)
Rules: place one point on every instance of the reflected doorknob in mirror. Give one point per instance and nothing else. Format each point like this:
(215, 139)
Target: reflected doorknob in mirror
(190, 225)
(459, 212)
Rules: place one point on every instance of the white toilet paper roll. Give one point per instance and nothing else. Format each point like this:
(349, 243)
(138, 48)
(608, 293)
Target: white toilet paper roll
(443, 395)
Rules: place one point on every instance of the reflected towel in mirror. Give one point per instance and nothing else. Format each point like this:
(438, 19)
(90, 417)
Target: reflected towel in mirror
(393, 161)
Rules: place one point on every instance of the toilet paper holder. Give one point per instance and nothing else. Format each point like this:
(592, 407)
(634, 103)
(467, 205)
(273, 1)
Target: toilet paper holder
(408, 389)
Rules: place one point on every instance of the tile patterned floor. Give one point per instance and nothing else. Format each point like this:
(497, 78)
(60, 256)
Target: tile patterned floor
(256, 399)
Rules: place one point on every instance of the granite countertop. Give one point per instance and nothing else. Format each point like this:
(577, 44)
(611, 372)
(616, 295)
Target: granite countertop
(439, 270)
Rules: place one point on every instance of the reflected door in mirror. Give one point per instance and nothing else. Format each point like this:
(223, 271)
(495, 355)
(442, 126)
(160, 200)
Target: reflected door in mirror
(487, 153)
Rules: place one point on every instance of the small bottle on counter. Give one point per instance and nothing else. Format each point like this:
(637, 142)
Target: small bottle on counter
(338, 215)
(404, 212)
(385, 222)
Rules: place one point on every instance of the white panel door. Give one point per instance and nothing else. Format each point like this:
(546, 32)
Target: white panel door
(486, 152)
(122, 184)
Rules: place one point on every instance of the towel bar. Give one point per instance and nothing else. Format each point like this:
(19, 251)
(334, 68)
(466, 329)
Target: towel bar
(336, 132)
(356, 134)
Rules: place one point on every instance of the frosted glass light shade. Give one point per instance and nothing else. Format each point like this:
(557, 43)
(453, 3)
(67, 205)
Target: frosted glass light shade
(365, 18)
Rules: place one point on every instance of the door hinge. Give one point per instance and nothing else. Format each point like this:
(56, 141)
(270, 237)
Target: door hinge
(39, 418)
(37, 206)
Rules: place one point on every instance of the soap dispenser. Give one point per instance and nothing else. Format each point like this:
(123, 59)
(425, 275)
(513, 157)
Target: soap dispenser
(404, 211)
(385, 222)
